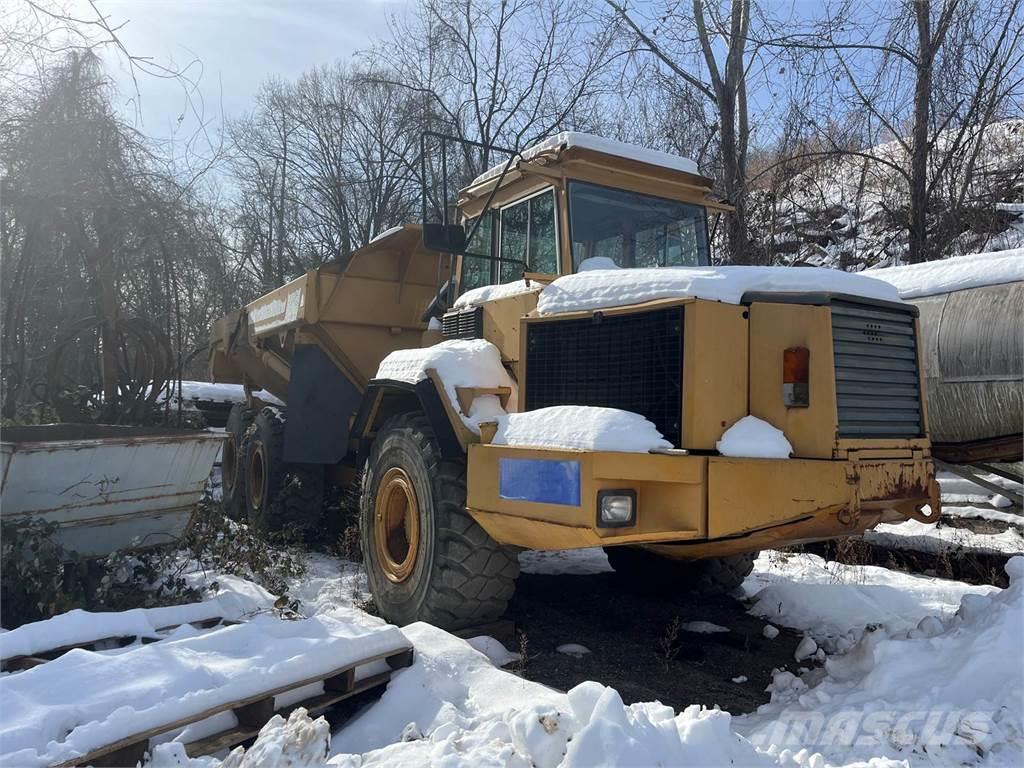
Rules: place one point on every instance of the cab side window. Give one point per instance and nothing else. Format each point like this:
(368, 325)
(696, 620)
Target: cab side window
(477, 265)
(529, 237)
(523, 236)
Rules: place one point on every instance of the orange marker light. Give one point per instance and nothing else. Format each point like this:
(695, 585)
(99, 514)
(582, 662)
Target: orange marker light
(796, 376)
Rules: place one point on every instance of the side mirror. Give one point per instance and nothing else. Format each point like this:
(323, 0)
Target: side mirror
(446, 238)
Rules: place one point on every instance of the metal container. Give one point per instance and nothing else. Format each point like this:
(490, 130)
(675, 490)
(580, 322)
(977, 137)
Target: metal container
(106, 487)
(974, 369)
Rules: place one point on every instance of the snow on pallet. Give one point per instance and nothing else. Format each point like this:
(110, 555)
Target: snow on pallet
(103, 708)
(41, 641)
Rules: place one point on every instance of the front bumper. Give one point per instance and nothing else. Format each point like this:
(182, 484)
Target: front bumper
(703, 505)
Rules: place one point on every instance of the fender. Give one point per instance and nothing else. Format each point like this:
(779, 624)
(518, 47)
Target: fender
(386, 397)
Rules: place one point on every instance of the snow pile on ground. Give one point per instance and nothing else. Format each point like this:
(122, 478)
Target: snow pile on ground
(954, 274)
(938, 539)
(298, 742)
(459, 363)
(835, 602)
(580, 427)
(127, 691)
(752, 438)
(486, 293)
(80, 627)
(453, 708)
(948, 689)
(702, 627)
(569, 139)
(600, 288)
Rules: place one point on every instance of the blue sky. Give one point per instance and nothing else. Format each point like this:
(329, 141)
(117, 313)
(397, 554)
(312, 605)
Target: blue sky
(239, 43)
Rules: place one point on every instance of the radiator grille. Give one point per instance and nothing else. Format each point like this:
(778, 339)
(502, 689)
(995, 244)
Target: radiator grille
(633, 362)
(463, 323)
(878, 389)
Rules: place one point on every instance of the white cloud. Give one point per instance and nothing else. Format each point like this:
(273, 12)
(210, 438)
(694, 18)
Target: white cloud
(238, 45)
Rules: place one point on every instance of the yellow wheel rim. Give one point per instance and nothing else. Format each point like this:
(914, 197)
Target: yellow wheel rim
(396, 525)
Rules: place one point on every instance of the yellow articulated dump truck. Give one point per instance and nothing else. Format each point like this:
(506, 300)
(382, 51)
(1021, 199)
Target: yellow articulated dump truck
(561, 367)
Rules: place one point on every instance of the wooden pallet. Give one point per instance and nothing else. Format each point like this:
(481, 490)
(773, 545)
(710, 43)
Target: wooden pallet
(19, 663)
(252, 713)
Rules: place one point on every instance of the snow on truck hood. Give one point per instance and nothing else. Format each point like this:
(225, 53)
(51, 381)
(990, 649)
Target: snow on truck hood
(592, 288)
(602, 288)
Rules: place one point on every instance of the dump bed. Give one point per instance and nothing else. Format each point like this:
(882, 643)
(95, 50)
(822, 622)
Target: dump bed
(354, 315)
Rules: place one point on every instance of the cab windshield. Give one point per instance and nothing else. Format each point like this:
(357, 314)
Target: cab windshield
(631, 229)
(635, 230)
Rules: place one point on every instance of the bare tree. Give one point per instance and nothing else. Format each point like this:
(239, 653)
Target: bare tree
(930, 77)
(95, 239)
(501, 73)
(696, 59)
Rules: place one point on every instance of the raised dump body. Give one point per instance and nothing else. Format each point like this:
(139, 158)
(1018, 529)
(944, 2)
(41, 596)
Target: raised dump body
(416, 422)
(319, 339)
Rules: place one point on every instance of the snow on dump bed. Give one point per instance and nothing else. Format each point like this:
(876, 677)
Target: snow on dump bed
(569, 139)
(486, 293)
(954, 274)
(948, 691)
(84, 700)
(596, 289)
(752, 438)
(460, 363)
(579, 427)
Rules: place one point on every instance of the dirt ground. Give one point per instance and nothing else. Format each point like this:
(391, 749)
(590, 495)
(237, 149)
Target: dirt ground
(629, 636)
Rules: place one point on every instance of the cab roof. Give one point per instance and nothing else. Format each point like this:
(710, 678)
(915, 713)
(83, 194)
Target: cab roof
(572, 152)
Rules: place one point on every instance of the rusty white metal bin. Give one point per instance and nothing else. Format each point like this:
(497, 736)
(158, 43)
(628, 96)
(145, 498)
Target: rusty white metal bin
(106, 487)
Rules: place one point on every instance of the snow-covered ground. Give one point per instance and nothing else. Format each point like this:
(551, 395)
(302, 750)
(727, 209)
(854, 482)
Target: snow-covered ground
(963, 500)
(894, 667)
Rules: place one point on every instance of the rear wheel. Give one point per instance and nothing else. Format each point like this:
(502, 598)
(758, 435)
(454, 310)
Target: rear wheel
(709, 576)
(279, 494)
(232, 464)
(426, 558)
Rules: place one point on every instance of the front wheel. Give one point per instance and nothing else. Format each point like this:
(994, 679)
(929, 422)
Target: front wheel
(426, 558)
(709, 576)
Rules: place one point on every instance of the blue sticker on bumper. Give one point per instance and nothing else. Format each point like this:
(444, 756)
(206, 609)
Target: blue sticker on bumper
(545, 481)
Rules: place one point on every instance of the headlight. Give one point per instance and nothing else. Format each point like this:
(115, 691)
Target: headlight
(616, 508)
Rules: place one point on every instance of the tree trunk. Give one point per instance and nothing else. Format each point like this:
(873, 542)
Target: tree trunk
(918, 224)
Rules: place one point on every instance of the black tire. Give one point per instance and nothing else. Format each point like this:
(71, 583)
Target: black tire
(452, 573)
(233, 461)
(279, 495)
(709, 576)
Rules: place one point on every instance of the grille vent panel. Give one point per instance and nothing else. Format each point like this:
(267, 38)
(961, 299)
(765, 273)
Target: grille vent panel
(633, 362)
(463, 323)
(878, 391)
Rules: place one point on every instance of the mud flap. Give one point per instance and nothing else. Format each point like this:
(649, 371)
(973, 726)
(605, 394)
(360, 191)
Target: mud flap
(321, 402)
